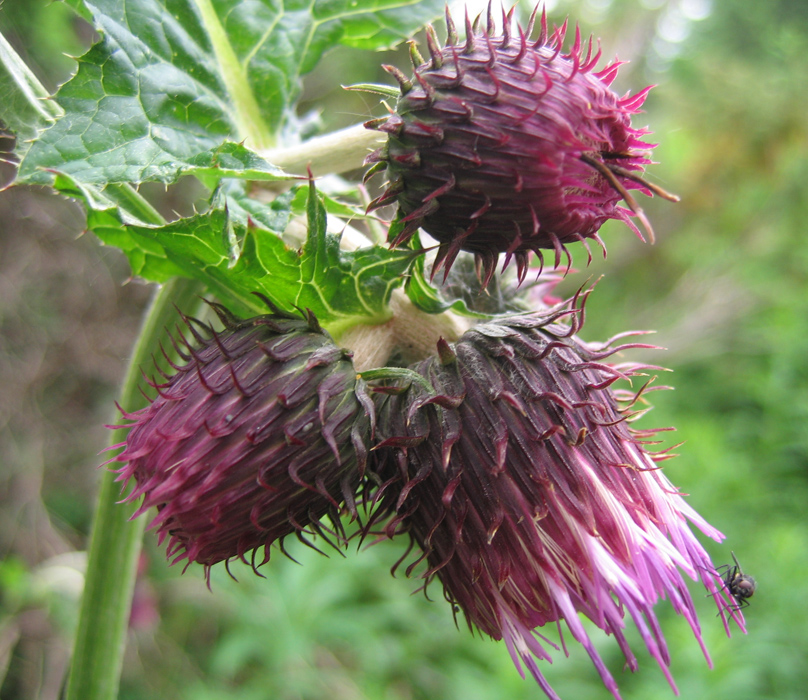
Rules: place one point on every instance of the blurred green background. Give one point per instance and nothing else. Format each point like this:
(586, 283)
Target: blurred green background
(726, 286)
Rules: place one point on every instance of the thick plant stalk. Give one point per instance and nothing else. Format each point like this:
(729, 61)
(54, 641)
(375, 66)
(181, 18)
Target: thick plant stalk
(336, 152)
(115, 541)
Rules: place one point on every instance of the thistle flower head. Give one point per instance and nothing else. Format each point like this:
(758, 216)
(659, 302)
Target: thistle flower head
(532, 498)
(259, 433)
(505, 144)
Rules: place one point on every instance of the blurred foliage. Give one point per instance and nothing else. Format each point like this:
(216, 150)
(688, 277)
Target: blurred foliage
(45, 34)
(726, 286)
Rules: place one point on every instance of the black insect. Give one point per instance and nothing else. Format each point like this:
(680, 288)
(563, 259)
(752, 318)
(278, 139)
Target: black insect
(739, 585)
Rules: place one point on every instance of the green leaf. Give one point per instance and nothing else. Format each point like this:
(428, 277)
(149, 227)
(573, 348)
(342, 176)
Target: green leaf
(342, 209)
(176, 86)
(381, 24)
(234, 160)
(277, 44)
(462, 294)
(25, 107)
(376, 89)
(428, 299)
(236, 251)
(108, 217)
(247, 210)
(80, 8)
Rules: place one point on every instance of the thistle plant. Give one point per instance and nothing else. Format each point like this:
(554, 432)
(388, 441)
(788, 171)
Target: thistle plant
(330, 378)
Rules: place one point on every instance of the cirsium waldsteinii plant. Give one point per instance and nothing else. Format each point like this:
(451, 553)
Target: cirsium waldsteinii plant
(210, 90)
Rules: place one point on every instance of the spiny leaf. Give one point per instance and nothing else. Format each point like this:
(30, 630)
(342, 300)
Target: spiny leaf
(244, 209)
(427, 298)
(231, 250)
(175, 84)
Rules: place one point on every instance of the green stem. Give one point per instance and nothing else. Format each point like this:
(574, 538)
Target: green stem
(115, 541)
(251, 124)
(132, 202)
(337, 152)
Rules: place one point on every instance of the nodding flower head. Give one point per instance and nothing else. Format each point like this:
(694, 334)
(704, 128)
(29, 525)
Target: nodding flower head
(504, 144)
(258, 433)
(514, 468)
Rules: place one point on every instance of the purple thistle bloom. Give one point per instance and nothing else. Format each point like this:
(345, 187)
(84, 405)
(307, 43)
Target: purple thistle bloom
(504, 144)
(531, 497)
(259, 434)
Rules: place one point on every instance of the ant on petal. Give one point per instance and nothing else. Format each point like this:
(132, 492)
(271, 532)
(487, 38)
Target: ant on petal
(739, 585)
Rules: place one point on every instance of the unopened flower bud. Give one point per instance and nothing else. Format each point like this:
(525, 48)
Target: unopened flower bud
(259, 433)
(504, 144)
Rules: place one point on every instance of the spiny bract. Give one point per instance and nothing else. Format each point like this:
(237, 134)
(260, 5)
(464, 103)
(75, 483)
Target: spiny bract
(530, 496)
(502, 144)
(259, 434)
